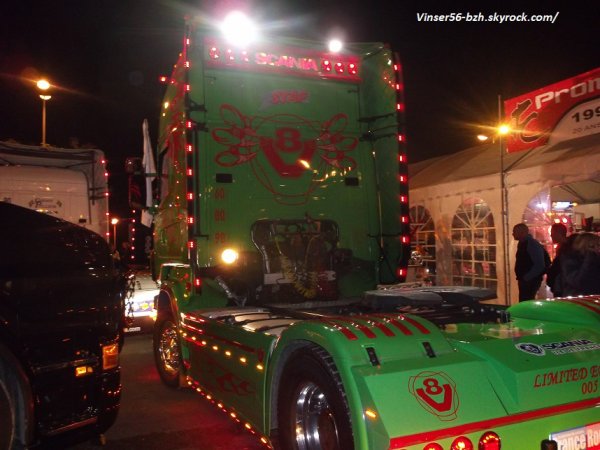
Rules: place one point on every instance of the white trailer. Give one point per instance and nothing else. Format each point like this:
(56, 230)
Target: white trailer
(67, 183)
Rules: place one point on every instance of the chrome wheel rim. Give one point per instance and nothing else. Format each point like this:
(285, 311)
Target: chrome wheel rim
(168, 349)
(314, 422)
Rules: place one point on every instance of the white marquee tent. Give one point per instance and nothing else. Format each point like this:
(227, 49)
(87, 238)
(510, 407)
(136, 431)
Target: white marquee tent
(464, 205)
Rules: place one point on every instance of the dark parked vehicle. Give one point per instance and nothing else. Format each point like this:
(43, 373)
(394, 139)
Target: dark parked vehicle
(61, 316)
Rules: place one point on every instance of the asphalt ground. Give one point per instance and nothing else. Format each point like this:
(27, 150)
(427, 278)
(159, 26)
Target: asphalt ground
(154, 416)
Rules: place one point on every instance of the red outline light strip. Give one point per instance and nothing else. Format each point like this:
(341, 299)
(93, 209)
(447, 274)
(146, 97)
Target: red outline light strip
(365, 329)
(349, 334)
(397, 322)
(230, 411)
(428, 436)
(246, 348)
(416, 324)
(191, 328)
(377, 322)
(405, 330)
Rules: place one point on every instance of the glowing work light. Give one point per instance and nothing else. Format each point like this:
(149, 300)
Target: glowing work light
(229, 256)
(335, 46)
(238, 29)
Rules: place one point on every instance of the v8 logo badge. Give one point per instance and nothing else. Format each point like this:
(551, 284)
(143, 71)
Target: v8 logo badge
(436, 393)
(290, 155)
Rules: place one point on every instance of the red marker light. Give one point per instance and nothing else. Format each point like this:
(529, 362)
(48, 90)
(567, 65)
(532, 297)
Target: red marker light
(489, 441)
(433, 446)
(461, 443)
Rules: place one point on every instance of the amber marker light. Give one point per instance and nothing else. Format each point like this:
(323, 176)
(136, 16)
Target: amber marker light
(304, 163)
(82, 371)
(110, 356)
(370, 414)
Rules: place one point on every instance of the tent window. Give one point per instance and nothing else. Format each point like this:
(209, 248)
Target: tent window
(474, 245)
(538, 217)
(422, 237)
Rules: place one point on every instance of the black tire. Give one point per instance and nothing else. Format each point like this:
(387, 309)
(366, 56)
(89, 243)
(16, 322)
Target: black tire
(312, 410)
(7, 413)
(167, 352)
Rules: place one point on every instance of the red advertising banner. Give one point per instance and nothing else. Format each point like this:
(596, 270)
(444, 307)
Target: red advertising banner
(570, 106)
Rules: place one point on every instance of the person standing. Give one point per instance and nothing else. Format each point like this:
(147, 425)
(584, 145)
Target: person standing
(529, 262)
(558, 233)
(580, 266)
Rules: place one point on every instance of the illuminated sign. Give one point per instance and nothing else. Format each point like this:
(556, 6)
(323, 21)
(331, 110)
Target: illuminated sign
(565, 110)
(288, 60)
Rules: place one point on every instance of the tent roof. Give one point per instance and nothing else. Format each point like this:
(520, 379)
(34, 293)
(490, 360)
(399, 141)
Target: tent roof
(485, 160)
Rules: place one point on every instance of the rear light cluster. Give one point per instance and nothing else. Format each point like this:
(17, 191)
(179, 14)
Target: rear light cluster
(488, 441)
(339, 67)
(314, 63)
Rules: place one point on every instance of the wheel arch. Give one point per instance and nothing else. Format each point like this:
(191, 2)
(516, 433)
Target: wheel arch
(274, 379)
(25, 403)
(171, 289)
(166, 303)
(345, 354)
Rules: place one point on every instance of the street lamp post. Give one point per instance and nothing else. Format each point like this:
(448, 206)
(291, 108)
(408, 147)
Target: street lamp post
(502, 131)
(44, 85)
(114, 221)
(499, 132)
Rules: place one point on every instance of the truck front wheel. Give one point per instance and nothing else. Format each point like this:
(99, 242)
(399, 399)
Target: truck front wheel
(167, 353)
(8, 414)
(312, 409)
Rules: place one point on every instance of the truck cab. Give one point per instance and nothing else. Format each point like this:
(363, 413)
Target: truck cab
(281, 242)
(61, 310)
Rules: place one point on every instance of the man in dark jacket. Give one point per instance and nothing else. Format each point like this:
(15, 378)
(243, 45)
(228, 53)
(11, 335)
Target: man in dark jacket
(529, 262)
(558, 233)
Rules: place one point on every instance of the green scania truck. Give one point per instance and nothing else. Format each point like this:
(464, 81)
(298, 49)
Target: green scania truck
(281, 240)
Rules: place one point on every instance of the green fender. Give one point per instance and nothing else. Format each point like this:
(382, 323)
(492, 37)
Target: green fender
(582, 311)
(388, 337)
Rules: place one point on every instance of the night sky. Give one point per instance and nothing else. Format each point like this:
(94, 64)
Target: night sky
(106, 57)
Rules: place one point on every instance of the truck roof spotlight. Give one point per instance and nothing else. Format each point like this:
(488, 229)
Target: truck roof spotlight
(238, 29)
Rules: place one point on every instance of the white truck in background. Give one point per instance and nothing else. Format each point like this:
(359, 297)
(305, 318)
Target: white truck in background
(71, 184)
